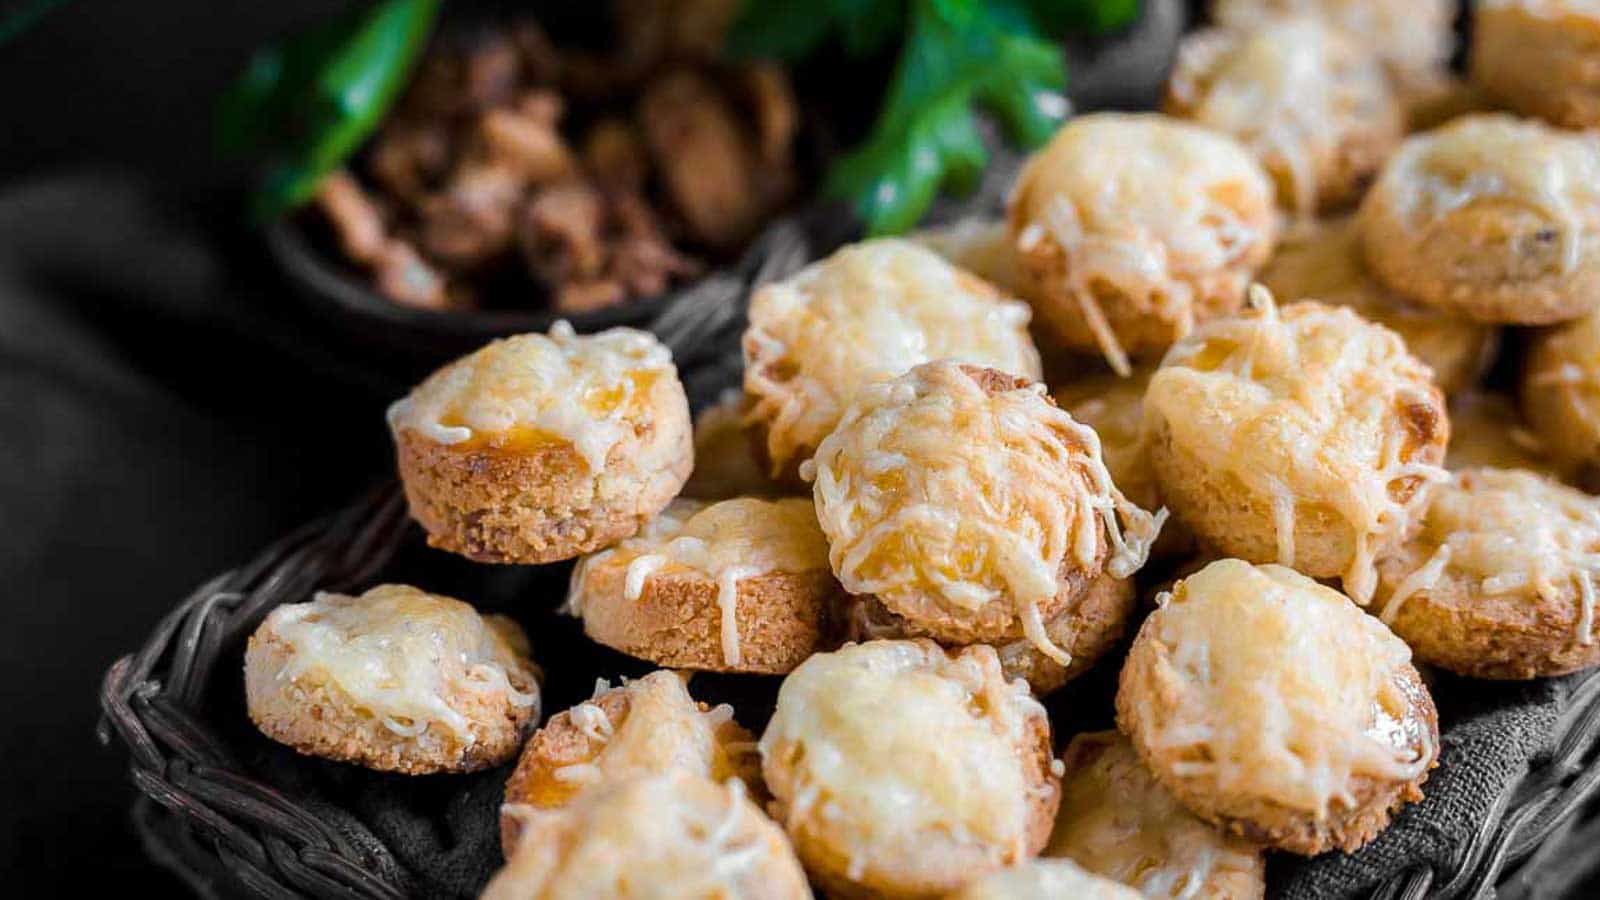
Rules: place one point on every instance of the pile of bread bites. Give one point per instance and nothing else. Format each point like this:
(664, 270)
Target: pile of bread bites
(1265, 315)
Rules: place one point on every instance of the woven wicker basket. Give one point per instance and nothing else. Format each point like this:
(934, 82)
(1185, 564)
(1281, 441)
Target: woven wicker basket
(233, 813)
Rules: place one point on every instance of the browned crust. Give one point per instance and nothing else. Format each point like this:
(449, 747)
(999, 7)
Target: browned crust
(1543, 66)
(1556, 411)
(782, 618)
(1343, 170)
(541, 506)
(941, 863)
(1230, 518)
(319, 720)
(1454, 626)
(1491, 260)
(561, 743)
(1146, 699)
(1087, 629)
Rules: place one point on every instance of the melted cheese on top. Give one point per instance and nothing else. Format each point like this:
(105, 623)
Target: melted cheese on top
(588, 390)
(1117, 821)
(891, 739)
(1290, 90)
(1304, 405)
(982, 247)
(1513, 532)
(1147, 204)
(678, 833)
(1323, 262)
(1044, 879)
(932, 487)
(726, 542)
(1498, 157)
(405, 655)
(869, 312)
(661, 730)
(1287, 689)
(1413, 37)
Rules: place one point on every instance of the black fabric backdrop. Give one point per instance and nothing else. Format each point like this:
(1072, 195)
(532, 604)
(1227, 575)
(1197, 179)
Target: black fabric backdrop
(166, 408)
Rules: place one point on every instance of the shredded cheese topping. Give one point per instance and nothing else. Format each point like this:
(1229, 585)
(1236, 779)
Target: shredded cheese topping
(1043, 879)
(726, 542)
(1117, 821)
(869, 312)
(1285, 688)
(1293, 90)
(405, 655)
(933, 488)
(1142, 204)
(1412, 37)
(1498, 157)
(982, 247)
(1114, 408)
(878, 743)
(1306, 407)
(587, 390)
(1511, 532)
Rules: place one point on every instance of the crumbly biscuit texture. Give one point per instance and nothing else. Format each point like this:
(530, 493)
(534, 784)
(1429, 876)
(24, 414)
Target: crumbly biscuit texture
(1308, 101)
(952, 493)
(1266, 701)
(1118, 822)
(675, 832)
(1135, 227)
(726, 543)
(901, 769)
(395, 679)
(869, 312)
(1303, 435)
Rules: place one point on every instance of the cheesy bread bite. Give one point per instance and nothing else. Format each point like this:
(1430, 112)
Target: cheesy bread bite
(1561, 392)
(537, 447)
(725, 465)
(1116, 821)
(1540, 57)
(1487, 430)
(982, 247)
(901, 770)
(1135, 227)
(648, 726)
(1274, 707)
(869, 312)
(1303, 436)
(1500, 581)
(738, 585)
(1309, 102)
(1085, 630)
(1490, 217)
(1323, 262)
(396, 679)
(1413, 38)
(673, 835)
(971, 506)
(1044, 879)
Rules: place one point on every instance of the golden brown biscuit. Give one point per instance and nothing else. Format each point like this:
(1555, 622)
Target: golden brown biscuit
(869, 312)
(1303, 435)
(1487, 430)
(1413, 38)
(1499, 583)
(538, 448)
(1540, 57)
(1323, 262)
(647, 726)
(1274, 707)
(1312, 104)
(396, 679)
(673, 835)
(1044, 879)
(739, 585)
(725, 464)
(1134, 227)
(1086, 630)
(1116, 821)
(1561, 392)
(1489, 217)
(902, 771)
(971, 506)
